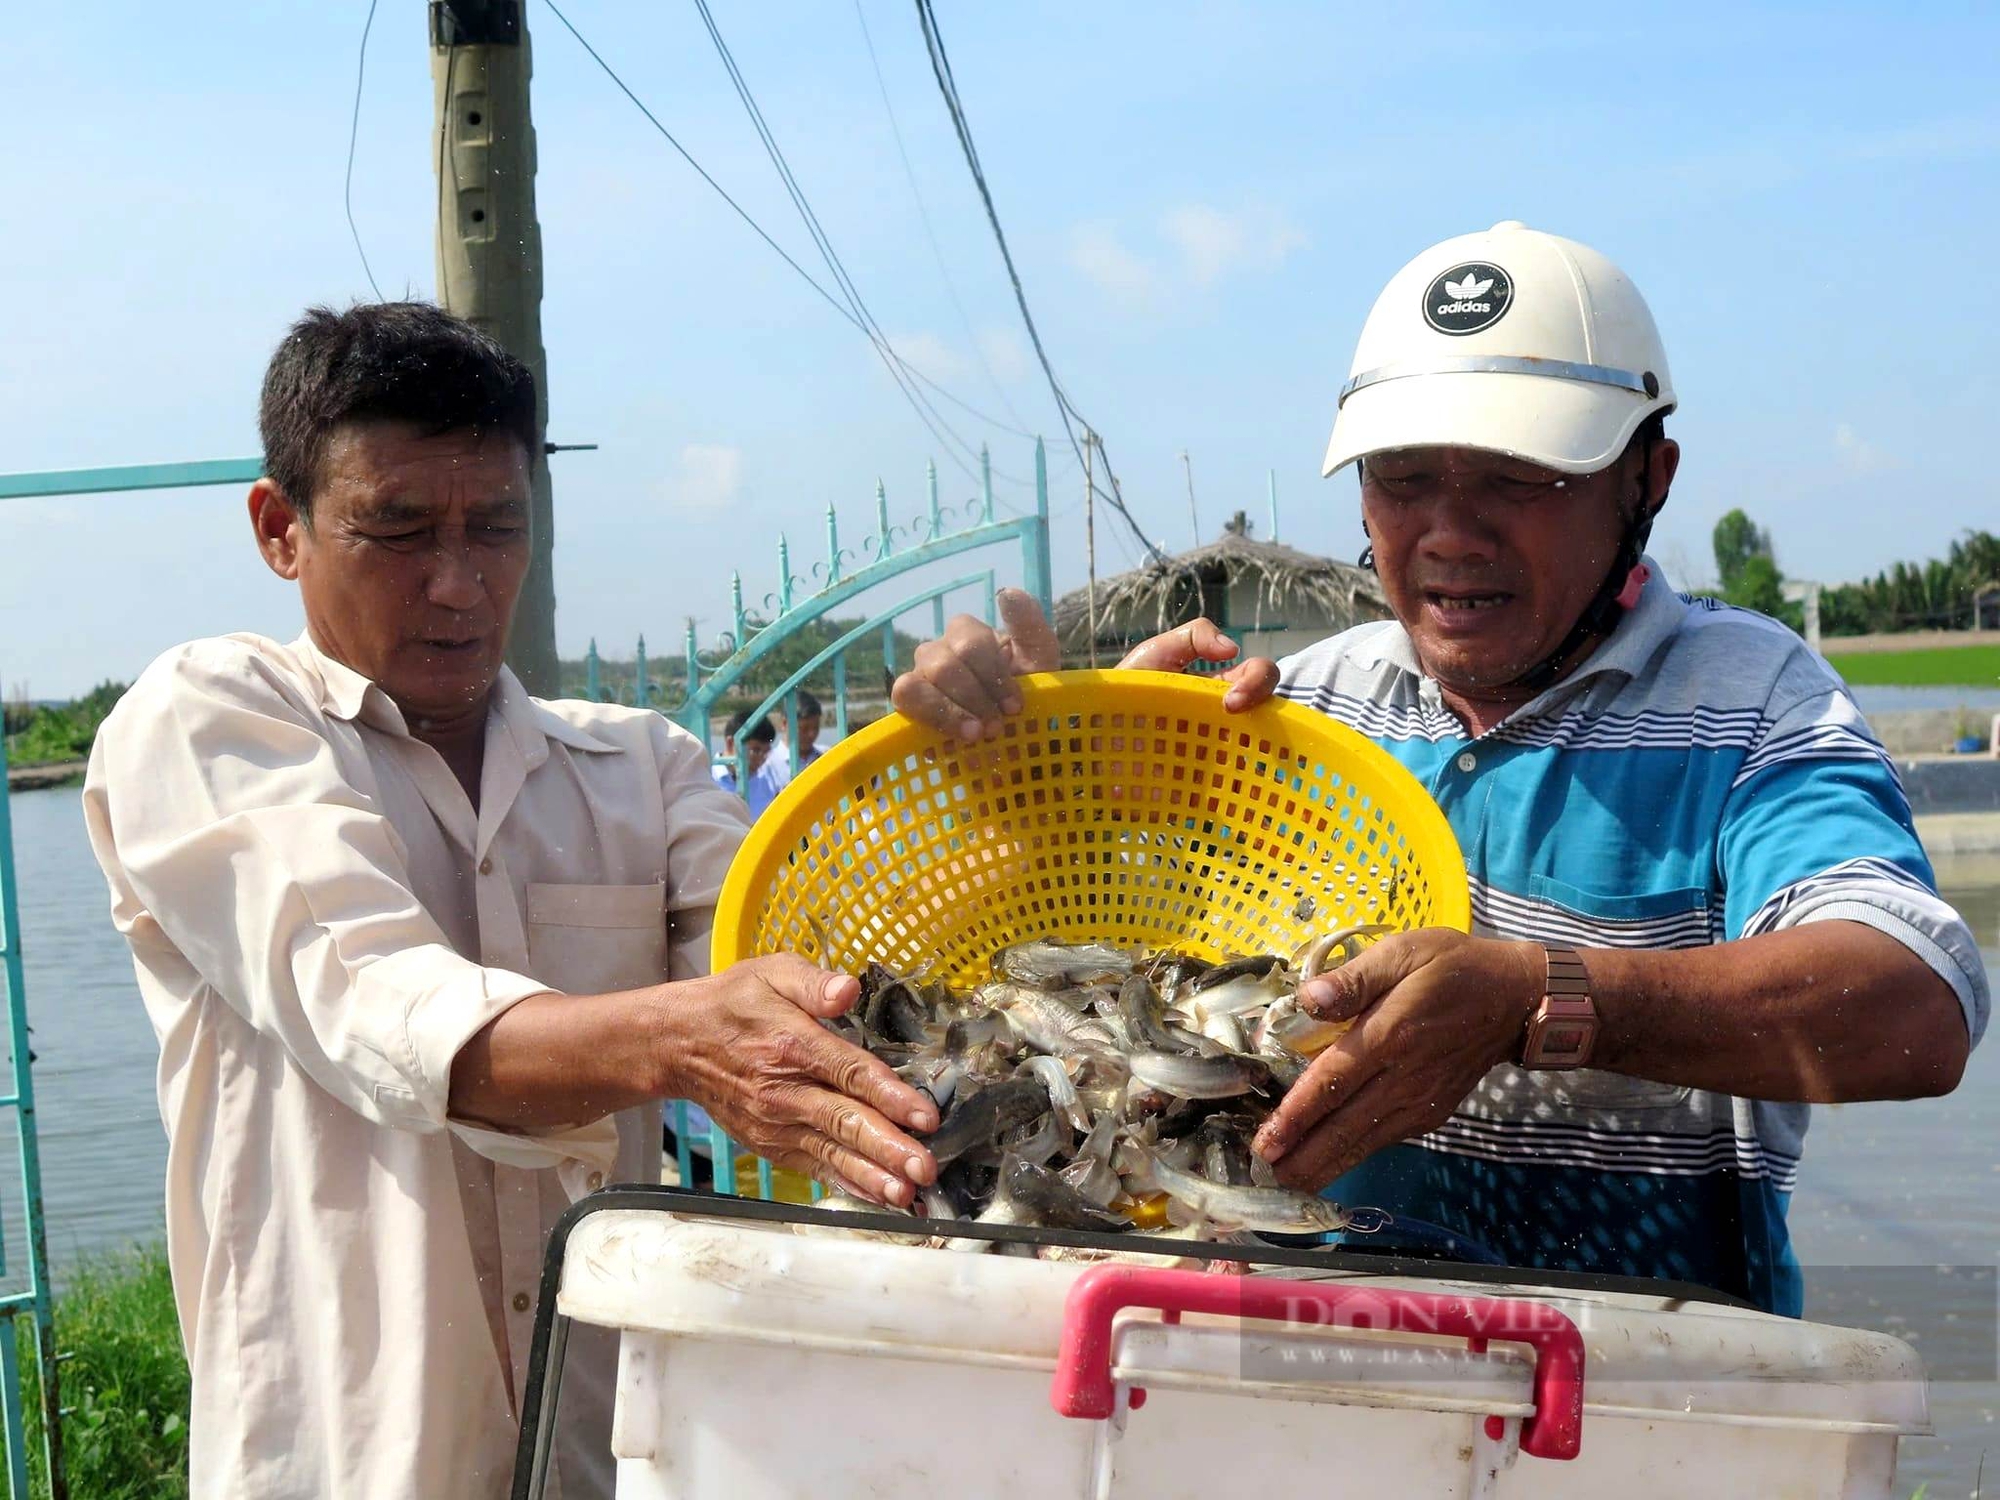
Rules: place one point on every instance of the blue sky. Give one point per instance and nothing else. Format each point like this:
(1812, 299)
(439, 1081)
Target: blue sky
(1203, 201)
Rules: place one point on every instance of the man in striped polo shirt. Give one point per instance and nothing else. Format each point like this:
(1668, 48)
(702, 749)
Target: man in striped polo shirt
(1699, 902)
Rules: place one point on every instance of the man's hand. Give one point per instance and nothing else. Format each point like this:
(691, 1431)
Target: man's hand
(747, 1046)
(963, 682)
(1433, 1011)
(1250, 682)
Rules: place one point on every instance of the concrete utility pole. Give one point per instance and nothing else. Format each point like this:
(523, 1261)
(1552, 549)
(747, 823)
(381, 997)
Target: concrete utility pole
(489, 252)
(1090, 543)
(1194, 522)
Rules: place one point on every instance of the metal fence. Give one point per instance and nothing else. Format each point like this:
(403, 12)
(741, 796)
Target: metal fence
(883, 567)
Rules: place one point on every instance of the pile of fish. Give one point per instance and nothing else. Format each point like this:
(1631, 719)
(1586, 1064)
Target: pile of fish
(1092, 1088)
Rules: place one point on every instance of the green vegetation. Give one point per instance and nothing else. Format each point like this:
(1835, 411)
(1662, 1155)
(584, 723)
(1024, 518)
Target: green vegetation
(1935, 595)
(1945, 593)
(127, 1437)
(1941, 666)
(1748, 570)
(46, 735)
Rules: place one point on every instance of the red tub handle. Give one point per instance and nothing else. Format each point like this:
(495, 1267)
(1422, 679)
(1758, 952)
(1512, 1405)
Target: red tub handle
(1083, 1385)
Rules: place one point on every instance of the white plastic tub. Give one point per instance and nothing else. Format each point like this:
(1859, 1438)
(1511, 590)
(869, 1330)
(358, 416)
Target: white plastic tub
(756, 1364)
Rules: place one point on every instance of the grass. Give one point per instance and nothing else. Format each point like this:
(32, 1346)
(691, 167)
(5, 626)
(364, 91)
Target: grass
(1940, 666)
(127, 1436)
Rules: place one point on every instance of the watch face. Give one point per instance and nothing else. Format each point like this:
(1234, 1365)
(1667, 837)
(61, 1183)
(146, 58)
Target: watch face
(1561, 1034)
(1565, 1043)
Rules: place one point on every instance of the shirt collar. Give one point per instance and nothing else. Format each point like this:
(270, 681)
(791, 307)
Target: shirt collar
(346, 694)
(1630, 646)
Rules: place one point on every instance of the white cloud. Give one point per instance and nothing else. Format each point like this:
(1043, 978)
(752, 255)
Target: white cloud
(1006, 355)
(1946, 139)
(1857, 455)
(930, 354)
(706, 477)
(1096, 250)
(1213, 243)
(1199, 245)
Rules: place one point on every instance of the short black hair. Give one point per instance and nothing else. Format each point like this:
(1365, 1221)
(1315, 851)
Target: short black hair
(808, 705)
(399, 361)
(760, 731)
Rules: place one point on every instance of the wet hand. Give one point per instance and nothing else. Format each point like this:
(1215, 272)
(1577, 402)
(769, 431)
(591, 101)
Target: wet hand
(1250, 682)
(1433, 1011)
(749, 1049)
(963, 682)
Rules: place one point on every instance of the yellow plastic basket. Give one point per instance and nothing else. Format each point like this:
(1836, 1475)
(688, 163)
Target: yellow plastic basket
(1116, 807)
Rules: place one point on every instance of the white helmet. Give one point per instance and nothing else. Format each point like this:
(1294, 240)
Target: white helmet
(1513, 341)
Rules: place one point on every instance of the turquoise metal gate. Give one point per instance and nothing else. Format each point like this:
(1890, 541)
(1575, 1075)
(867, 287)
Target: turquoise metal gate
(894, 552)
(32, 1301)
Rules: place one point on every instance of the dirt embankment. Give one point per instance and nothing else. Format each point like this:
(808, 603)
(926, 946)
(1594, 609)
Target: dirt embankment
(34, 778)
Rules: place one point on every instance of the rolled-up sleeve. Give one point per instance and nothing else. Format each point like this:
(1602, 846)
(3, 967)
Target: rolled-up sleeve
(705, 827)
(219, 810)
(1817, 828)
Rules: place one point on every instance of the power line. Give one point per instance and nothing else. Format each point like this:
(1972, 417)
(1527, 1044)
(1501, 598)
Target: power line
(353, 133)
(948, 86)
(930, 233)
(862, 316)
(744, 214)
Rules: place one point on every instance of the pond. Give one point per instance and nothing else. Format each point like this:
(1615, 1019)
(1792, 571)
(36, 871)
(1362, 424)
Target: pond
(1887, 1191)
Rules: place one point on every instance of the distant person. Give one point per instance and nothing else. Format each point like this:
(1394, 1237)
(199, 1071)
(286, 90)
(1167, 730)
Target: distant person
(808, 735)
(425, 953)
(1699, 902)
(756, 739)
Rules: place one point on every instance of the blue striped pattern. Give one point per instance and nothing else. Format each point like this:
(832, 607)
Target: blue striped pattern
(1702, 777)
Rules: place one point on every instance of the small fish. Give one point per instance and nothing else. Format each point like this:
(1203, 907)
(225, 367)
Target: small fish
(1226, 1032)
(1053, 1203)
(1038, 1142)
(1329, 951)
(1171, 972)
(1090, 1171)
(962, 1036)
(837, 1202)
(935, 1074)
(1145, 1017)
(1062, 965)
(1286, 1066)
(1268, 1210)
(1048, 1024)
(980, 1120)
(1241, 996)
(1250, 966)
(1003, 1210)
(1286, 1026)
(1303, 912)
(1062, 1089)
(1199, 1077)
(1225, 1149)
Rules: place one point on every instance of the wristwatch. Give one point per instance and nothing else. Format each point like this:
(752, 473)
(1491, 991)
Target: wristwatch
(1563, 1028)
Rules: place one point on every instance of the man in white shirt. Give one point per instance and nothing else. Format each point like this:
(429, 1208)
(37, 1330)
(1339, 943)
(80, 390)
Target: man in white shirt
(424, 953)
(806, 727)
(763, 781)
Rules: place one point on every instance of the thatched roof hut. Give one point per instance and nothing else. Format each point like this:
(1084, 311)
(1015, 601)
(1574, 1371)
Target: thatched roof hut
(1271, 598)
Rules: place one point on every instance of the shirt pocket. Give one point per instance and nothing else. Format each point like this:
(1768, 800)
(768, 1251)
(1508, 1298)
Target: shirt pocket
(1574, 916)
(588, 939)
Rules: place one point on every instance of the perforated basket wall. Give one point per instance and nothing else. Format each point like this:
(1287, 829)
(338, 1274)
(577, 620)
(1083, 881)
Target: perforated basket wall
(1117, 807)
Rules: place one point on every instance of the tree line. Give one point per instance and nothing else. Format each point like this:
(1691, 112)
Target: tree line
(1938, 594)
(41, 734)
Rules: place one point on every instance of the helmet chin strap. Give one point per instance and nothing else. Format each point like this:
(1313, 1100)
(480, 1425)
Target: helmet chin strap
(1618, 593)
